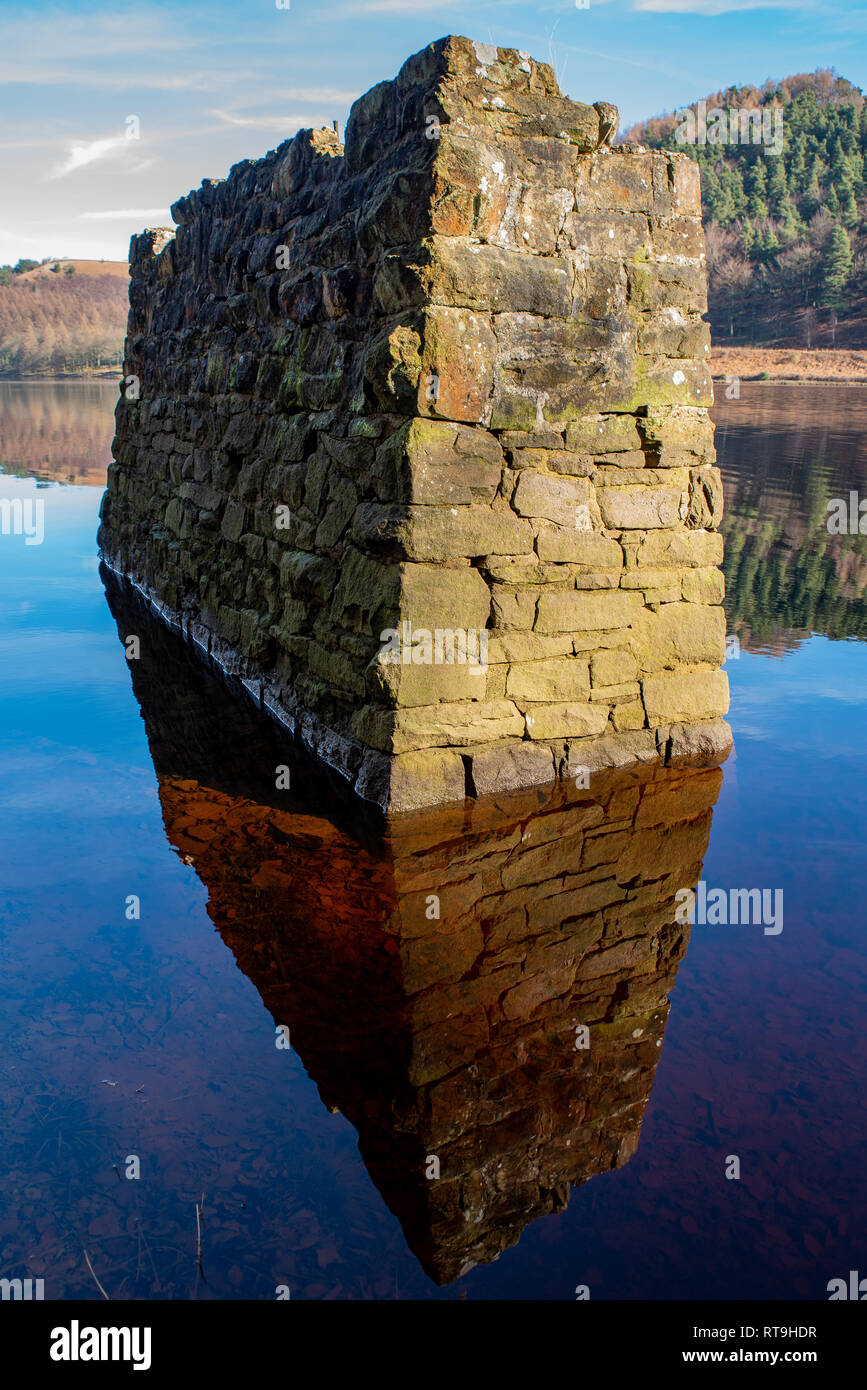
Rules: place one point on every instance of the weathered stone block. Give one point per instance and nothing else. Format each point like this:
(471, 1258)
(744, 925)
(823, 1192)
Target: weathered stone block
(566, 719)
(563, 500)
(553, 678)
(582, 612)
(565, 544)
(613, 667)
(685, 696)
(641, 508)
(604, 434)
(678, 634)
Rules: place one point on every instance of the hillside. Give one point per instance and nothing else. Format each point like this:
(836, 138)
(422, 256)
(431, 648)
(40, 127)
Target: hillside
(786, 232)
(46, 270)
(57, 322)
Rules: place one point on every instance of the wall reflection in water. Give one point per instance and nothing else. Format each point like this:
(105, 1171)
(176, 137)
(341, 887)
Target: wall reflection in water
(452, 1037)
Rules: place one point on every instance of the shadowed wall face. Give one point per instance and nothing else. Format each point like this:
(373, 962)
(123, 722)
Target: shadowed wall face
(485, 985)
(415, 438)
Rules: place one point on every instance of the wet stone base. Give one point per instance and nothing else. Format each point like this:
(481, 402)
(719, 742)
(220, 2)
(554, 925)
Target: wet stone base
(398, 784)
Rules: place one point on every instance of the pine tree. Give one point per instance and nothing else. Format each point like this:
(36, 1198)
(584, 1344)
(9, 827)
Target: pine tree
(841, 171)
(749, 238)
(770, 242)
(849, 209)
(813, 191)
(797, 168)
(736, 188)
(777, 190)
(792, 227)
(757, 182)
(835, 269)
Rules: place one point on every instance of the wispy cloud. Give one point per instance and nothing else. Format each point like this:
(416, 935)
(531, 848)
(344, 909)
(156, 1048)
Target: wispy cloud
(412, 7)
(41, 76)
(339, 95)
(718, 7)
(282, 123)
(82, 153)
(319, 97)
(120, 214)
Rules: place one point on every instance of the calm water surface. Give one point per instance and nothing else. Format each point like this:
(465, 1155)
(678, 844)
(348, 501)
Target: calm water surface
(155, 1036)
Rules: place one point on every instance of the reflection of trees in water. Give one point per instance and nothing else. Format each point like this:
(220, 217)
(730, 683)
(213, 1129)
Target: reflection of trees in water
(783, 568)
(57, 431)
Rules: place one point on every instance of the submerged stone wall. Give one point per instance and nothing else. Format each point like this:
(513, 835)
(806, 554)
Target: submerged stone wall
(414, 436)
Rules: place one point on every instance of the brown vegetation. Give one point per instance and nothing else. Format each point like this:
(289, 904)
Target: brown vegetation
(57, 323)
(785, 364)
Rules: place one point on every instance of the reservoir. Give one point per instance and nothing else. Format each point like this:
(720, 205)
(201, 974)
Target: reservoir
(265, 1003)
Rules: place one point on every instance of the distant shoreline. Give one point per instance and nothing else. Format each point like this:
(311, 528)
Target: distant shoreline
(826, 366)
(36, 377)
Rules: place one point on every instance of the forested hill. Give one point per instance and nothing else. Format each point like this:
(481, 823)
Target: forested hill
(68, 320)
(786, 232)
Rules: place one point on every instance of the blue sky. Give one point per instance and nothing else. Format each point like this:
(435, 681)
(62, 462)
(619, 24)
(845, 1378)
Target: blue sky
(217, 82)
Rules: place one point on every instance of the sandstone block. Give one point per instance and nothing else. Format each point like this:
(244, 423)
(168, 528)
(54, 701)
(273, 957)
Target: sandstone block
(679, 633)
(504, 769)
(562, 500)
(581, 612)
(703, 586)
(686, 696)
(681, 548)
(612, 667)
(446, 725)
(568, 544)
(554, 678)
(604, 434)
(641, 508)
(426, 778)
(566, 719)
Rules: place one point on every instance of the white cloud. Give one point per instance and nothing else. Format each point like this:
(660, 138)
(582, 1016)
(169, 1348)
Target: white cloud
(288, 124)
(140, 215)
(117, 148)
(413, 7)
(712, 8)
(42, 76)
(89, 152)
(337, 95)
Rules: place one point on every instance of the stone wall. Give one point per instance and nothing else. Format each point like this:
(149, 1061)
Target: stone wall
(438, 393)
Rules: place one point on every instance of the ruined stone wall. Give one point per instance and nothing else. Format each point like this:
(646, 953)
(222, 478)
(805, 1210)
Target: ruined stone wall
(450, 378)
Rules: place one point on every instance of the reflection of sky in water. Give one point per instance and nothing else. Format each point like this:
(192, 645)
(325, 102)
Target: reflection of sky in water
(763, 1054)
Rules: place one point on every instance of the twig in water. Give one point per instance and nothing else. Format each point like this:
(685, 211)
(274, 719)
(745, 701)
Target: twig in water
(95, 1280)
(149, 1255)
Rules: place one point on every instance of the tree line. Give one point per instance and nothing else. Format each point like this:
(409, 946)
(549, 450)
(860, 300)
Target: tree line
(62, 323)
(785, 232)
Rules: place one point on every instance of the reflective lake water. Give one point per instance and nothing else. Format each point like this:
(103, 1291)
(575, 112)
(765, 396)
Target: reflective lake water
(238, 993)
